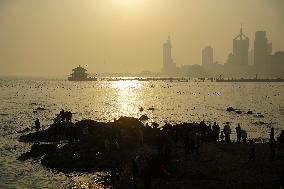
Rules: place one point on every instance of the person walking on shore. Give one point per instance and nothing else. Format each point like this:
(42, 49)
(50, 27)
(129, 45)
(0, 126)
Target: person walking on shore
(227, 132)
(239, 133)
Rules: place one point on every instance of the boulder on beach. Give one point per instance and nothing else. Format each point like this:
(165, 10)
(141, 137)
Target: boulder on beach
(259, 115)
(230, 109)
(38, 150)
(249, 112)
(143, 117)
(239, 112)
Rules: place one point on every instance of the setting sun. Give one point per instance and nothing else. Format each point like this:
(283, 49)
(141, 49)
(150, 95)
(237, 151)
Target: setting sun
(128, 3)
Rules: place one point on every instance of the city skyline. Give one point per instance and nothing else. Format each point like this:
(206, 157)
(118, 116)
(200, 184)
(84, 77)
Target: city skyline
(51, 37)
(245, 60)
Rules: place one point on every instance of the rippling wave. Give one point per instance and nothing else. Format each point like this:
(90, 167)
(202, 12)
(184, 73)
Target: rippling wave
(22, 101)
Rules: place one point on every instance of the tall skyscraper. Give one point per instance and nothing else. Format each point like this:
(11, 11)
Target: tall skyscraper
(168, 64)
(251, 57)
(269, 49)
(262, 49)
(240, 49)
(207, 56)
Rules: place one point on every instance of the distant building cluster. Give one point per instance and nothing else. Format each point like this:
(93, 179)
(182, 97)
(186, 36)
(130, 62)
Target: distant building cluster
(249, 61)
(243, 61)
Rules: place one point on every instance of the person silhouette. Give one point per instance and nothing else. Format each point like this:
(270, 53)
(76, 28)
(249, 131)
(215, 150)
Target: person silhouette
(244, 136)
(227, 132)
(280, 139)
(37, 125)
(271, 135)
(216, 131)
(239, 133)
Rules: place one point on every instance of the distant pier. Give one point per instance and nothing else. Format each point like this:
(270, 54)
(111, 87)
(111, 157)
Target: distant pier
(250, 80)
(182, 79)
(145, 79)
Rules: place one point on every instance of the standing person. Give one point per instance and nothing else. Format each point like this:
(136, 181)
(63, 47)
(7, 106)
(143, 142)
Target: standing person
(244, 136)
(280, 139)
(271, 135)
(62, 115)
(239, 133)
(216, 131)
(37, 125)
(227, 132)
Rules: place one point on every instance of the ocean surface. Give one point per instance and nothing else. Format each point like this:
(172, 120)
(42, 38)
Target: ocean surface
(24, 100)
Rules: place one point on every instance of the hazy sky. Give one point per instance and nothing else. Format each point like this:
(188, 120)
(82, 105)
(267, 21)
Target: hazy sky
(50, 37)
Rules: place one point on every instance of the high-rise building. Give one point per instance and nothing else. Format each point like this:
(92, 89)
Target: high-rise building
(207, 56)
(262, 49)
(251, 57)
(168, 64)
(240, 49)
(269, 48)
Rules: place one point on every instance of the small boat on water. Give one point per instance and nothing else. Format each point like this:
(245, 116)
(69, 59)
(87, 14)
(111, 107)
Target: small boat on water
(79, 74)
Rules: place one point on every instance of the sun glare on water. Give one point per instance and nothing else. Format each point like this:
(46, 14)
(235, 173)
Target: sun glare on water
(128, 97)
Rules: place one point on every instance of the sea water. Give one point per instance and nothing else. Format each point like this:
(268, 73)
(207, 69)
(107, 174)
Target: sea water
(24, 100)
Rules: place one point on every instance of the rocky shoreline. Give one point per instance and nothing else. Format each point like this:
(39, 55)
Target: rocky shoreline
(144, 156)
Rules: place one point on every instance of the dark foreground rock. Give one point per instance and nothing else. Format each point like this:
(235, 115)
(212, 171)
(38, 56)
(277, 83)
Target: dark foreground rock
(39, 150)
(147, 157)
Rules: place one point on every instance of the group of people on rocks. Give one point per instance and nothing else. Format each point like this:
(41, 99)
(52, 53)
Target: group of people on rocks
(226, 133)
(62, 117)
(190, 135)
(216, 134)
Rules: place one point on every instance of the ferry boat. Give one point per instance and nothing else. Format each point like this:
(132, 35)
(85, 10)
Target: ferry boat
(79, 74)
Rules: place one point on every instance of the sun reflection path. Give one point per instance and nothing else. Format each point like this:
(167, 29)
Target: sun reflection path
(129, 97)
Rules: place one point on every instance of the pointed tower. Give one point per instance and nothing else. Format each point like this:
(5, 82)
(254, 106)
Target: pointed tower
(240, 49)
(168, 63)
